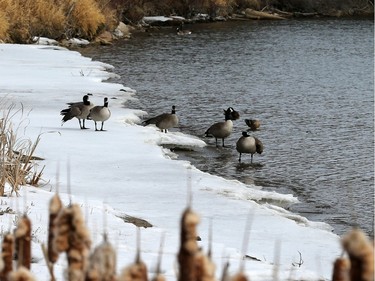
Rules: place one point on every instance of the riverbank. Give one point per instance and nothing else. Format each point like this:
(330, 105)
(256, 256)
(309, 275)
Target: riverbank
(124, 172)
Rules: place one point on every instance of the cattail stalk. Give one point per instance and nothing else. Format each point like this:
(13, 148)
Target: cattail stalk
(138, 270)
(341, 269)
(188, 247)
(240, 276)
(22, 274)
(72, 237)
(55, 207)
(205, 268)
(7, 256)
(158, 275)
(134, 272)
(102, 265)
(361, 255)
(23, 242)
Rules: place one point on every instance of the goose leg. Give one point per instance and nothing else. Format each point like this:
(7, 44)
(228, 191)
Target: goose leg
(83, 122)
(80, 125)
(216, 141)
(251, 158)
(239, 159)
(223, 142)
(101, 129)
(95, 126)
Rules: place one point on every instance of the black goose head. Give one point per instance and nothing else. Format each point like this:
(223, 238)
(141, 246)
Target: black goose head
(245, 134)
(231, 114)
(106, 102)
(173, 109)
(86, 100)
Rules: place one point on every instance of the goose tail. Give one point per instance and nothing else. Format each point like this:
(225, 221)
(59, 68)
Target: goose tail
(66, 115)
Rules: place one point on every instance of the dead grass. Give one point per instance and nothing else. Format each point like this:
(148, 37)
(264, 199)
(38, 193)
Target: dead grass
(18, 164)
(20, 20)
(85, 18)
(4, 26)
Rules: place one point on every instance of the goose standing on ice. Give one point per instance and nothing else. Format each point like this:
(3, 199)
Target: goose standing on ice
(100, 113)
(164, 121)
(79, 110)
(248, 144)
(222, 130)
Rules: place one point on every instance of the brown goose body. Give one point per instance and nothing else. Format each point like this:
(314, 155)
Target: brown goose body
(222, 130)
(100, 113)
(79, 110)
(249, 144)
(164, 121)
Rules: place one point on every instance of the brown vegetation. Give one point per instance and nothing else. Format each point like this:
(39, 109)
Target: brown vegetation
(17, 161)
(22, 20)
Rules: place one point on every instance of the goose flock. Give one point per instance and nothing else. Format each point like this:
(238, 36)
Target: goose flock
(86, 110)
(246, 144)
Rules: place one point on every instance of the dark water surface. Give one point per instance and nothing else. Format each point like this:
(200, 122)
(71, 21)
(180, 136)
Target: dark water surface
(310, 83)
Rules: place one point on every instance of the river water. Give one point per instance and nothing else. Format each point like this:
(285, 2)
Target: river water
(309, 82)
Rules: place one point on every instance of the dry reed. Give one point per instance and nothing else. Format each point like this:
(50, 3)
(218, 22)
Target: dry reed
(17, 161)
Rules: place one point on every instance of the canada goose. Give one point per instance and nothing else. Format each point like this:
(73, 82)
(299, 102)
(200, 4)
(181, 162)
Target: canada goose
(100, 113)
(253, 124)
(180, 31)
(164, 121)
(80, 110)
(223, 130)
(248, 144)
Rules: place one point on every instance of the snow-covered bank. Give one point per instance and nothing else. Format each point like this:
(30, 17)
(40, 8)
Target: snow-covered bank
(124, 171)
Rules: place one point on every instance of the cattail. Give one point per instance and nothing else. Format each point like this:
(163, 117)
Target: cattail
(134, 272)
(60, 242)
(102, 263)
(240, 276)
(361, 255)
(7, 256)
(22, 274)
(341, 269)
(23, 242)
(138, 270)
(72, 236)
(159, 276)
(205, 268)
(224, 275)
(55, 207)
(188, 246)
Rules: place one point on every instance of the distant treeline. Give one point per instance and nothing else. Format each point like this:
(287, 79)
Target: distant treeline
(21, 20)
